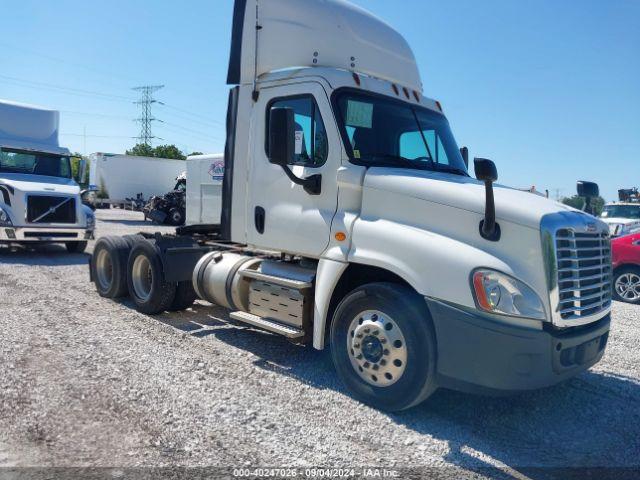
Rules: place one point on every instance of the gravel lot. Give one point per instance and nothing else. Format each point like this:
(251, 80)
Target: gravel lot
(86, 381)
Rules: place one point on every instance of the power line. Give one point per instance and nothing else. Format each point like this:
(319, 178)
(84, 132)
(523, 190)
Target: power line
(63, 89)
(96, 136)
(147, 118)
(74, 112)
(207, 119)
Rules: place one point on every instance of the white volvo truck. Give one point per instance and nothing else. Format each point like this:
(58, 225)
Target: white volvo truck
(349, 220)
(40, 200)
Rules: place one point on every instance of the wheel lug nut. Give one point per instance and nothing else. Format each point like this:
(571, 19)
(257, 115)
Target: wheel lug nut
(367, 330)
(376, 367)
(386, 352)
(359, 357)
(356, 345)
(383, 341)
(359, 335)
(366, 365)
(383, 362)
(375, 332)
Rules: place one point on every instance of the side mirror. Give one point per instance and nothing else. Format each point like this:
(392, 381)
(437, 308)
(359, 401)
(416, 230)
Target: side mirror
(82, 171)
(587, 189)
(282, 148)
(281, 136)
(464, 151)
(487, 172)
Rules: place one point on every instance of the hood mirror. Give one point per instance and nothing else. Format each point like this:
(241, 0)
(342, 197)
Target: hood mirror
(487, 172)
(588, 190)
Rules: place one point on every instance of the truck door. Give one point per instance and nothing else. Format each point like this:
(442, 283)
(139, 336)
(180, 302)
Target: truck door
(281, 215)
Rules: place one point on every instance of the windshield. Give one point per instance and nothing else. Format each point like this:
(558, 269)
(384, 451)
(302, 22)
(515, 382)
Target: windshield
(18, 161)
(386, 132)
(621, 211)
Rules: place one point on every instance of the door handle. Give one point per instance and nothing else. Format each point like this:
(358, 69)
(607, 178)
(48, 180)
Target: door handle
(259, 219)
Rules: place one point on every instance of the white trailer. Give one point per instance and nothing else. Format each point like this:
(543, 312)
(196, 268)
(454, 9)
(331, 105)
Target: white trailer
(40, 200)
(126, 176)
(349, 219)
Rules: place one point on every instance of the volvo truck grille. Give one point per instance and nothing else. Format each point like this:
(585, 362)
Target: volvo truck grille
(51, 209)
(584, 273)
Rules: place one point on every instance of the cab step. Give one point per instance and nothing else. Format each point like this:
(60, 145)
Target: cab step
(267, 324)
(282, 281)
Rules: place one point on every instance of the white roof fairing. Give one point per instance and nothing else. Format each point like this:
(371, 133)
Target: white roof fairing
(27, 127)
(310, 33)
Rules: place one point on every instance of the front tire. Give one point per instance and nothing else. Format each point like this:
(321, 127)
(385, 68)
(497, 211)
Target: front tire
(383, 346)
(626, 285)
(150, 293)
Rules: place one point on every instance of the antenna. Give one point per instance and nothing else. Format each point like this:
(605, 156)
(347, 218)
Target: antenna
(145, 120)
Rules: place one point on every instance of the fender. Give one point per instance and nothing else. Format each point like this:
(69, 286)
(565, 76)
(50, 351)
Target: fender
(327, 277)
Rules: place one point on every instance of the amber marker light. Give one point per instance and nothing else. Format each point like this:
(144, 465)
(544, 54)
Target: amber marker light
(341, 236)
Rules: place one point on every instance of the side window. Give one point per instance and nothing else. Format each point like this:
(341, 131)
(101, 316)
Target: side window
(311, 144)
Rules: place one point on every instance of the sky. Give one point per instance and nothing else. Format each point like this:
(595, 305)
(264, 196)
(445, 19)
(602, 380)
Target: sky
(547, 89)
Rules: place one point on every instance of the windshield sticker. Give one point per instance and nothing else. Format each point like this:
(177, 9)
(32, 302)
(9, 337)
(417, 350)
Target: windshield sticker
(356, 154)
(298, 147)
(359, 114)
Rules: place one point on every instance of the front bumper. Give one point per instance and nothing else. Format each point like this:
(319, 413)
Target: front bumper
(480, 355)
(44, 234)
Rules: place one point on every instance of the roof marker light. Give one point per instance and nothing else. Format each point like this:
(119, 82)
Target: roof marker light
(439, 106)
(395, 88)
(406, 92)
(416, 96)
(356, 78)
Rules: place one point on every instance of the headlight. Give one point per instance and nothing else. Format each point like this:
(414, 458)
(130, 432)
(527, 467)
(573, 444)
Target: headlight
(499, 293)
(5, 221)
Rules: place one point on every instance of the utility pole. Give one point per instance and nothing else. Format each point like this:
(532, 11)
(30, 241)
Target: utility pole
(145, 120)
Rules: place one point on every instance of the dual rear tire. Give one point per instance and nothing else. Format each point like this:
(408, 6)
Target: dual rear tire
(131, 265)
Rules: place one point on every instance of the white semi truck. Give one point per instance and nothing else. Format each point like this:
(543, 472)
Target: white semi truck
(40, 200)
(349, 220)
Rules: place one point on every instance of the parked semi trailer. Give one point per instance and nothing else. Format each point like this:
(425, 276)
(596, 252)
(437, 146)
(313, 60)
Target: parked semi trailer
(349, 220)
(120, 177)
(40, 201)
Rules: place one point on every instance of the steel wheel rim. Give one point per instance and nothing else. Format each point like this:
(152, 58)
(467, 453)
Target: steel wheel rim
(377, 348)
(142, 277)
(628, 286)
(104, 269)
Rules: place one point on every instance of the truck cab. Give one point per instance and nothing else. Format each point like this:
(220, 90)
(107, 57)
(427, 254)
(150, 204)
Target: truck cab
(623, 217)
(40, 200)
(350, 220)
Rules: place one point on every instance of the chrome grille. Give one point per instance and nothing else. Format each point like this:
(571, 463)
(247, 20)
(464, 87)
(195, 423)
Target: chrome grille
(583, 273)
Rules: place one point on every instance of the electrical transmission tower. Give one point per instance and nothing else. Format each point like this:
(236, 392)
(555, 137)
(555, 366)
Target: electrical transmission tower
(145, 120)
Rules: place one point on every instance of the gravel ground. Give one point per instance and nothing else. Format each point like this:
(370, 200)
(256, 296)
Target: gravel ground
(86, 381)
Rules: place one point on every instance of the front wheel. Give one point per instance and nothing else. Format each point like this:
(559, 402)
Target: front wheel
(383, 346)
(626, 285)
